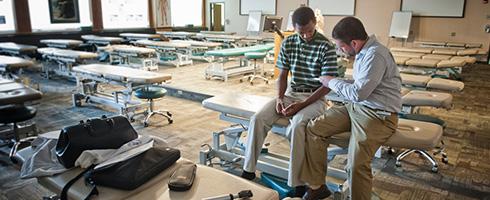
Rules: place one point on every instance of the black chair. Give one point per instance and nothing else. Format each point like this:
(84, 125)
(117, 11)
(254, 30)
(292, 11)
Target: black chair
(13, 114)
(151, 92)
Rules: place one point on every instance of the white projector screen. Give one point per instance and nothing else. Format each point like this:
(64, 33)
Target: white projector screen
(334, 7)
(400, 24)
(434, 8)
(268, 7)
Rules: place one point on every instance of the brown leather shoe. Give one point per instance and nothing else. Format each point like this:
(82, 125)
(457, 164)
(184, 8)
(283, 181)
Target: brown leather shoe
(320, 193)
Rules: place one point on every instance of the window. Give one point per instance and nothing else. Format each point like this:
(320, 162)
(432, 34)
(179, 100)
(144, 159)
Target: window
(125, 14)
(7, 23)
(41, 16)
(185, 12)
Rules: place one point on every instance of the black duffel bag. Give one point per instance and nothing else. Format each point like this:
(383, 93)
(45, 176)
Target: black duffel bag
(98, 133)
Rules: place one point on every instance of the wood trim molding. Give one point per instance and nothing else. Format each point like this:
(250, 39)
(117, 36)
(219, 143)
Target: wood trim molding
(203, 13)
(151, 14)
(22, 17)
(97, 24)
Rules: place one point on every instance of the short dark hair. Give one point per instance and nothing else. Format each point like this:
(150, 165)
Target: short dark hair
(303, 15)
(348, 29)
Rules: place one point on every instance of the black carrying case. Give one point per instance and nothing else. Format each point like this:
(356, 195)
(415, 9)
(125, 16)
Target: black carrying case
(136, 171)
(183, 178)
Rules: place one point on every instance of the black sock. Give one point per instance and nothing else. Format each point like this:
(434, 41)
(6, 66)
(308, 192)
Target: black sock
(299, 191)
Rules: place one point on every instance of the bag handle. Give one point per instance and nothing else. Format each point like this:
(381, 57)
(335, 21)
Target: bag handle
(93, 190)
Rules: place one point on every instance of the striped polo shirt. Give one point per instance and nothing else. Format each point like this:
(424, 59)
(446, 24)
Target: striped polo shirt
(307, 61)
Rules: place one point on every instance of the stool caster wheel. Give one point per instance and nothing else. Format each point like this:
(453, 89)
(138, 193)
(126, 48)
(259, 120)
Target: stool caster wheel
(445, 160)
(251, 83)
(131, 119)
(145, 124)
(241, 80)
(170, 121)
(169, 114)
(398, 164)
(266, 82)
(434, 169)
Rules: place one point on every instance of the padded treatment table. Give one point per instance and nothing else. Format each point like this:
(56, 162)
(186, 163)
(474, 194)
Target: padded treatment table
(427, 98)
(208, 182)
(451, 64)
(140, 36)
(62, 43)
(473, 45)
(431, 83)
(407, 54)
(90, 76)
(411, 99)
(466, 59)
(169, 52)
(456, 44)
(102, 40)
(424, 82)
(418, 62)
(217, 68)
(466, 52)
(400, 60)
(199, 43)
(65, 58)
(430, 43)
(436, 57)
(15, 93)
(217, 32)
(136, 51)
(177, 35)
(229, 40)
(17, 49)
(11, 64)
(238, 108)
(199, 48)
(123, 54)
(425, 50)
(446, 51)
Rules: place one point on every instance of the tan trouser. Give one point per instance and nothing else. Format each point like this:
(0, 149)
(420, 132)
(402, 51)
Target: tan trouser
(369, 130)
(261, 123)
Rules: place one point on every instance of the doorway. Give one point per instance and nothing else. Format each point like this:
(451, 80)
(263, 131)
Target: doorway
(217, 17)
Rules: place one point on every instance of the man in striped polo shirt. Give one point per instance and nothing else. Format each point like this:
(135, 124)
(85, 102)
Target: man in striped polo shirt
(307, 55)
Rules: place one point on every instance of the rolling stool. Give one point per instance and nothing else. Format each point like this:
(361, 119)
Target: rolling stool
(150, 92)
(13, 114)
(254, 56)
(427, 118)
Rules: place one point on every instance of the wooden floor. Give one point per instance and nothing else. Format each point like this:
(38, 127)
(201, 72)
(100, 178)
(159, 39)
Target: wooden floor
(467, 176)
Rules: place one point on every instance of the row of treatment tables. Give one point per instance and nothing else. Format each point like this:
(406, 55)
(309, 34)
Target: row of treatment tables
(237, 108)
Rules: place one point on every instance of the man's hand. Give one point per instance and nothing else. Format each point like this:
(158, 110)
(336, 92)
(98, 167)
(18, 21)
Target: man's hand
(279, 106)
(292, 109)
(325, 80)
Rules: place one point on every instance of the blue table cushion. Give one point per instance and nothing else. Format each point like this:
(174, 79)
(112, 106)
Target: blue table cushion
(255, 55)
(150, 92)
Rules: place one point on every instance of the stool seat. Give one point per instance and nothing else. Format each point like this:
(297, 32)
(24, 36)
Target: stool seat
(150, 92)
(16, 113)
(255, 55)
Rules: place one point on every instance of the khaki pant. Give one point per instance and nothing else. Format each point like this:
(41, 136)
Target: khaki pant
(369, 130)
(261, 123)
